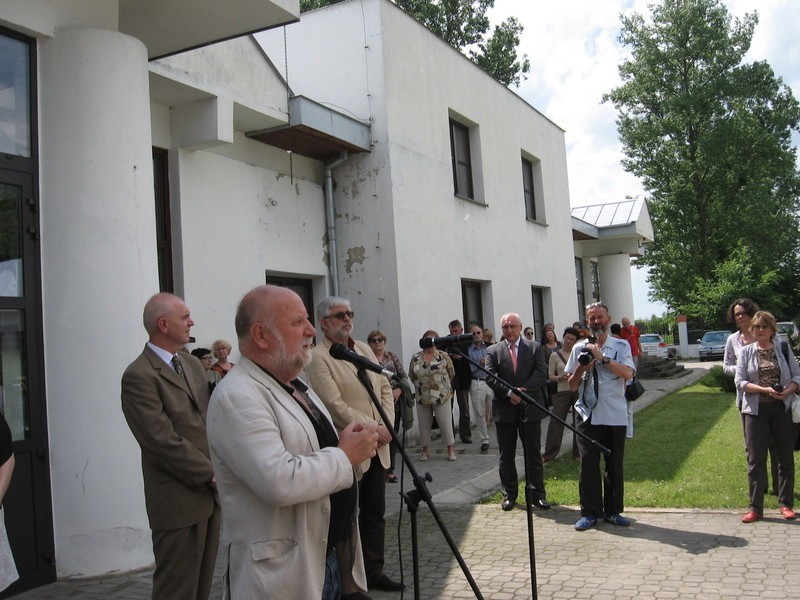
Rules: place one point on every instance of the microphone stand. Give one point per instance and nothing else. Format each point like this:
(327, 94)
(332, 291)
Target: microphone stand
(528, 491)
(413, 498)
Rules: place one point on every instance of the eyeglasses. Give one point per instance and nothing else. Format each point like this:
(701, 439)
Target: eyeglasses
(341, 315)
(736, 315)
(375, 340)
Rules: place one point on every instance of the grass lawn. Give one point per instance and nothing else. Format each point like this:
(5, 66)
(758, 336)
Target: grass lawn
(687, 452)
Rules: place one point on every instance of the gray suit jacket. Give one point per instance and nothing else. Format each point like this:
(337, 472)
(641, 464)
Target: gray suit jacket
(531, 374)
(167, 417)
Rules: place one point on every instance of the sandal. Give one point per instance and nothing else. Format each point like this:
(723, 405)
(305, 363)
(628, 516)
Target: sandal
(391, 478)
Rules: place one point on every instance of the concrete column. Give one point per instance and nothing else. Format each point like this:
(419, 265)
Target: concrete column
(98, 268)
(615, 285)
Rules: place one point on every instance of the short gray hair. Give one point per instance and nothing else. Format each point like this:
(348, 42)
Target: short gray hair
(326, 304)
(157, 306)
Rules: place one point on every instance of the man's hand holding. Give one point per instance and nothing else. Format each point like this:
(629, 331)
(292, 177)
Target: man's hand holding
(384, 437)
(359, 441)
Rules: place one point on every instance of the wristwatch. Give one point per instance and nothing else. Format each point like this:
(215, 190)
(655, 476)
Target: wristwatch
(605, 360)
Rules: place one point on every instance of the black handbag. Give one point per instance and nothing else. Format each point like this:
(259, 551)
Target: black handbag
(633, 390)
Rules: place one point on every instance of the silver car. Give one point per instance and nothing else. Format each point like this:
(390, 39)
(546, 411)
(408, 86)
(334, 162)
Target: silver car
(653, 345)
(712, 346)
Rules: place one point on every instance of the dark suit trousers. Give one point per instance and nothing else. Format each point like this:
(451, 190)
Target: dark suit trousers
(185, 560)
(531, 434)
(371, 522)
(464, 429)
(601, 495)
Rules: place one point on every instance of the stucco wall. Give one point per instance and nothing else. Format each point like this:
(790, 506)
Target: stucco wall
(401, 229)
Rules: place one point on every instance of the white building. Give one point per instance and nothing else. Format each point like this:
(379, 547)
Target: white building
(140, 151)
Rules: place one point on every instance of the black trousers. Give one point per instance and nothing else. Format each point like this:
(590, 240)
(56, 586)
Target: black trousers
(531, 434)
(462, 397)
(601, 495)
(371, 522)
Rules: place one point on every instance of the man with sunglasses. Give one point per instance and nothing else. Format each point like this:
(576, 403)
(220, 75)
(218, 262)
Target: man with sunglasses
(348, 401)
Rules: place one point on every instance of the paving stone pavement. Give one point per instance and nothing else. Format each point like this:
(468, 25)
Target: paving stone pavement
(682, 554)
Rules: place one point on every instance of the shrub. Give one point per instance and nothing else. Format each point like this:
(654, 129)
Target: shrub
(718, 379)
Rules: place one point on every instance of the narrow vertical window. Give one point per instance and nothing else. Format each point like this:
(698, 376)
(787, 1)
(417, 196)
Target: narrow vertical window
(462, 160)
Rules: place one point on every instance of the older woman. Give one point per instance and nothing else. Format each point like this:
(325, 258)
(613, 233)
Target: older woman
(221, 350)
(431, 371)
(389, 361)
(767, 376)
(206, 359)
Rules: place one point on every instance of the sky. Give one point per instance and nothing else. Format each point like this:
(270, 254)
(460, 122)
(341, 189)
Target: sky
(574, 54)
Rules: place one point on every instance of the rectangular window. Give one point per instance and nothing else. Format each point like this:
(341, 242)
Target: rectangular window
(595, 281)
(15, 97)
(527, 187)
(462, 160)
(163, 221)
(532, 188)
(537, 300)
(472, 302)
(579, 286)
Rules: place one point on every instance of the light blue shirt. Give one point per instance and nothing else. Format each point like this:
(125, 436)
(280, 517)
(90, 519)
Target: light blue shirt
(610, 408)
(477, 354)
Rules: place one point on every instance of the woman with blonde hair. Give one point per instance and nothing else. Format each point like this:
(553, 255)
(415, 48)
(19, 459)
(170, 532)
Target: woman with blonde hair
(222, 349)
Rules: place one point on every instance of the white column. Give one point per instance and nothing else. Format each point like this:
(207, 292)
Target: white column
(98, 268)
(616, 290)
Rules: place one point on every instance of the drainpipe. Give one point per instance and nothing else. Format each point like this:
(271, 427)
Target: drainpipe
(333, 269)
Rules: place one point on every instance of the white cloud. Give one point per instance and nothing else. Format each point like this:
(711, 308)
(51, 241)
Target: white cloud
(574, 54)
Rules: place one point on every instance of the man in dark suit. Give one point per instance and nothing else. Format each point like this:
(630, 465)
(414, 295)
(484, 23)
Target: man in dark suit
(519, 362)
(164, 400)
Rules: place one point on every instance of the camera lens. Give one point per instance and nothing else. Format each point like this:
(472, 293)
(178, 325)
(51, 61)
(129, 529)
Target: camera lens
(777, 387)
(585, 357)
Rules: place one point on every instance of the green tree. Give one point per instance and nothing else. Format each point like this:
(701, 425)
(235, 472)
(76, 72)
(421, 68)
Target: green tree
(464, 25)
(710, 139)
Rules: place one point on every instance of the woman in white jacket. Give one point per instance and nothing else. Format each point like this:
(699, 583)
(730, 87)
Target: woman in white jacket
(767, 377)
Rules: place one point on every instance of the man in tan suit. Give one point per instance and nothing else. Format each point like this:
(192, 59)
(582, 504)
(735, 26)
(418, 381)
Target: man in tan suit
(164, 400)
(348, 401)
(286, 480)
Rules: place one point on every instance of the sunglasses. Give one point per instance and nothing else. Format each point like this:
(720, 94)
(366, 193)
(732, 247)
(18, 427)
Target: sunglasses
(375, 340)
(341, 315)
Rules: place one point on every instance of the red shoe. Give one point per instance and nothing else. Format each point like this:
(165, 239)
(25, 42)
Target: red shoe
(751, 517)
(787, 513)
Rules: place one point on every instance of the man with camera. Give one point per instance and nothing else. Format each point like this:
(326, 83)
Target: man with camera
(599, 366)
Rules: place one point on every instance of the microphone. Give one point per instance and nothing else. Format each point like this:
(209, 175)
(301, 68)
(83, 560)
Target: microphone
(444, 342)
(342, 352)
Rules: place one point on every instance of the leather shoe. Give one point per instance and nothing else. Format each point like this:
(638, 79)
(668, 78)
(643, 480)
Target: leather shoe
(465, 439)
(787, 513)
(484, 448)
(542, 503)
(508, 504)
(387, 585)
(751, 517)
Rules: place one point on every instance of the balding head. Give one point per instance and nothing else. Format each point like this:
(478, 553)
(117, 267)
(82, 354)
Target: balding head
(274, 332)
(167, 320)
(512, 326)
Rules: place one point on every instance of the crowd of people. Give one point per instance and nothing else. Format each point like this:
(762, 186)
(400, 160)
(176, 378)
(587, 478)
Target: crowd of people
(294, 452)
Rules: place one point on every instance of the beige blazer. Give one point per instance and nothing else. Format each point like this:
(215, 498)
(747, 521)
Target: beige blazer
(336, 382)
(167, 417)
(274, 484)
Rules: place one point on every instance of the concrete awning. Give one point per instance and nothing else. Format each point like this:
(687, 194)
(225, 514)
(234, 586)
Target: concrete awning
(316, 131)
(170, 26)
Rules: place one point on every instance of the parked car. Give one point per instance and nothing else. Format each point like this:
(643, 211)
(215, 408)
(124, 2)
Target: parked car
(786, 329)
(653, 345)
(712, 346)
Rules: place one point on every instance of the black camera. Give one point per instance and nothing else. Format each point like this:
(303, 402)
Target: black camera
(585, 357)
(777, 387)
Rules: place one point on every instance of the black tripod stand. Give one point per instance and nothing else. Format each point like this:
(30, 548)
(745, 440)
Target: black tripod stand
(413, 498)
(528, 401)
